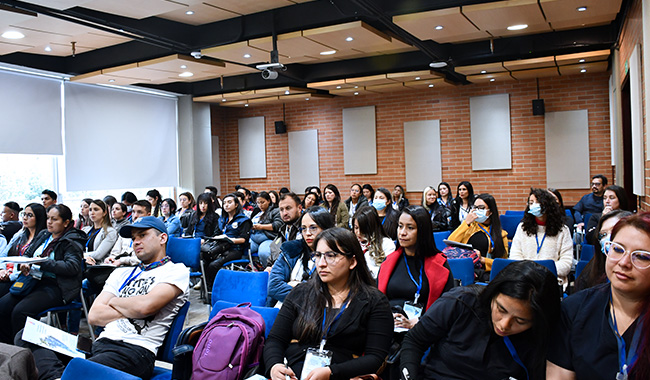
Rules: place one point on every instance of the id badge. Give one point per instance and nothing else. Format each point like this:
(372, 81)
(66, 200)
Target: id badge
(315, 359)
(35, 271)
(412, 310)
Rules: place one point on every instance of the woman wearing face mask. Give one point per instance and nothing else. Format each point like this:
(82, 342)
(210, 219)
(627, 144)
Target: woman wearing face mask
(614, 198)
(542, 235)
(594, 272)
(482, 229)
(374, 243)
(294, 264)
(387, 214)
(439, 213)
(461, 205)
(475, 332)
(604, 331)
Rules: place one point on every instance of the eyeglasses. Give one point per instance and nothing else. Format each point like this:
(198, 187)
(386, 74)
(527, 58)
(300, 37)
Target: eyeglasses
(615, 252)
(479, 208)
(331, 257)
(26, 215)
(312, 229)
(596, 184)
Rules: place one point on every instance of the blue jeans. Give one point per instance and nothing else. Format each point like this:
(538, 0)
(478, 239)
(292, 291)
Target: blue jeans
(257, 238)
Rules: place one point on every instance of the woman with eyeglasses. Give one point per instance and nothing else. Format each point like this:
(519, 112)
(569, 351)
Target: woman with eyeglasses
(482, 229)
(337, 325)
(293, 265)
(542, 234)
(604, 330)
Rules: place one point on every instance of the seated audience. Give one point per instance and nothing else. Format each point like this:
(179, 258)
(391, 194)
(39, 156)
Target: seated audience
(355, 201)
(310, 199)
(290, 211)
(110, 201)
(333, 204)
(603, 331)
(356, 318)
(48, 198)
(482, 229)
(118, 214)
(169, 217)
(387, 214)
(614, 198)
(10, 223)
(542, 235)
(439, 214)
(591, 203)
(275, 198)
(444, 195)
(368, 193)
(122, 253)
(60, 275)
(136, 307)
(101, 235)
(204, 220)
(399, 198)
(84, 219)
(594, 272)
(500, 331)
(294, 264)
(374, 243)
(188, 204)
(416, 274)
(128, 198)
(155, 198)
(460, 206)
(266, 222)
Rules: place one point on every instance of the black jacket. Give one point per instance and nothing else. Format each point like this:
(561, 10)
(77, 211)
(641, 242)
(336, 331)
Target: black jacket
(211, 221)
(365, 329)
(67, 263)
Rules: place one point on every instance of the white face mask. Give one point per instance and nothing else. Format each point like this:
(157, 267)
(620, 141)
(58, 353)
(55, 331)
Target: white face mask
(379, 205)
(481, 216)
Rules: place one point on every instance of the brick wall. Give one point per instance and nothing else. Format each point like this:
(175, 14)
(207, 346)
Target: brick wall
(451, 106)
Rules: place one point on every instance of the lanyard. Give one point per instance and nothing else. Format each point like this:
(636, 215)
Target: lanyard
(514, 354)
(45, 245)
(384, 219)
(91, 237)
(143, 268)
(624, 362)
(418, 284)
(539, 245)
(327, 332)
(487, 232)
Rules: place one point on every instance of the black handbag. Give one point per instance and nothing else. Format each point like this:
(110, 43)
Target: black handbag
(212, 249)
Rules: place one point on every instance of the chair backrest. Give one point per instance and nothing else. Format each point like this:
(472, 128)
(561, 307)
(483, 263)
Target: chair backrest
(509, 224)
(499, 264)
(568, 213)
(239, 287)
(79, 368)
(165, 351)
(585, 219)
(579, 267)
(463, 270)
(186, 251)
(515, 212)
(438, 237)
(587, 252)
(268, 313)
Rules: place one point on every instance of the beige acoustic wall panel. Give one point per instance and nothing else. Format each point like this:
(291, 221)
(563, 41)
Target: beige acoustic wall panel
(303, 160)
(359, 140)
(490, 126)
(422, 154)
(567, 141)
(252, 148)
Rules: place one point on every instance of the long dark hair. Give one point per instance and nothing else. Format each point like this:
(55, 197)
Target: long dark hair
(333, 207)
(368, 187)
(449, 194)
(470, 194)
(391, 217)
(190, 197)
(368, 222)
(239, 208)
(425, 246)
(528, 281)
(594, 271)
(308, 326)
(550, 208)
(155, 194)
(323, 219)
(41, 223)
(277, 198)
(495, 226)
(620, 194)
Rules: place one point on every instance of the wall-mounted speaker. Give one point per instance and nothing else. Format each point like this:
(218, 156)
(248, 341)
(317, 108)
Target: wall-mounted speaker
(538, 107)
(280, 127)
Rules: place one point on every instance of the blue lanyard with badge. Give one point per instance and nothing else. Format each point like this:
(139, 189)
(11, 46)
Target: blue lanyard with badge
(514, 354)
(413, 309)
(143, 268)
(625, 361)
(91, 236)
(35, 270)
(320, 357)
(539, 245)
(487, 232)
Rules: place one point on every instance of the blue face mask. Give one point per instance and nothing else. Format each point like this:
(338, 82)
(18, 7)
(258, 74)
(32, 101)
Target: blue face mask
(605, 239)
(481, 217)
(535, 209)
(379, 205)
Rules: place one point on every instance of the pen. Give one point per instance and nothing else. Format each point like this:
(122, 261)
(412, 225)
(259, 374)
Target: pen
(286, 365)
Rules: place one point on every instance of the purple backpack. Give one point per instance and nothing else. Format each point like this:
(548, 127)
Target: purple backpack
(230, 345)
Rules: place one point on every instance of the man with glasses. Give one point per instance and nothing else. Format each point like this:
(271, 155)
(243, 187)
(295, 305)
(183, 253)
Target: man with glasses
(10, 223)
(591, 203)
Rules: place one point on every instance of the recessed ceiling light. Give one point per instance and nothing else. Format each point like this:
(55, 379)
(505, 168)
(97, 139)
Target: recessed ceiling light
(582, 60)
(349, 39)
(483, 71)
(111, 80)
(583, 70)
(439, 27)
(581, 9)
(430, 85)
(287, 92)
(328, 52)
(189, 13)
(438, 65)
(247, 55)
(492, 80)
(417, 78)
(186, 74)
(356, 86)
(517, 27)
(356, 93)
(306, 98)
(223, 100)
(246, 105)
(47, 48)
(183, 66)
(13, 35)
(338, 87)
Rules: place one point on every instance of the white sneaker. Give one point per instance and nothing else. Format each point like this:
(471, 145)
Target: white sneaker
(197, 286)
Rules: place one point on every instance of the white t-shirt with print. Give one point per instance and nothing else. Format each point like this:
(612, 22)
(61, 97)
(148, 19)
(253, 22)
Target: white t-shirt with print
(149, 332)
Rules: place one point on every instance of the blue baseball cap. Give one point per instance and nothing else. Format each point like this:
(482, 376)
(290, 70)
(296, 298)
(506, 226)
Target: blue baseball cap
(144, 223)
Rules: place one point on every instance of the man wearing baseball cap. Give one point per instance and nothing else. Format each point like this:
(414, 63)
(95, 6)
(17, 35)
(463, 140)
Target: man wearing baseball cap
(136, 306)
